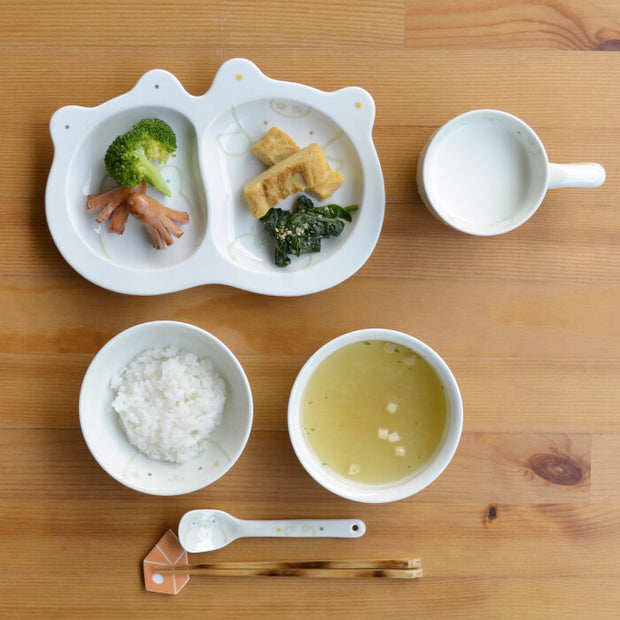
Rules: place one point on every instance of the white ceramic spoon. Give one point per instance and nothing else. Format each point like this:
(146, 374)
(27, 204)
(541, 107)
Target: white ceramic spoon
(207, 530)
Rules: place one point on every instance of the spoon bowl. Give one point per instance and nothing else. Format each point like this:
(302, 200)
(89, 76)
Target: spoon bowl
(208, 530)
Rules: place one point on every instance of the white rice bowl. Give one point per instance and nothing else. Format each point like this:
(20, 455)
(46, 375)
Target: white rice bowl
(168, 401)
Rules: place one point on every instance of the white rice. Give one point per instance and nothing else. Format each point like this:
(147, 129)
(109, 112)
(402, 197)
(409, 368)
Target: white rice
(168, 402)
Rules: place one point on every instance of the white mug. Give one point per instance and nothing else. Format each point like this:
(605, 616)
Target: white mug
(486, 172)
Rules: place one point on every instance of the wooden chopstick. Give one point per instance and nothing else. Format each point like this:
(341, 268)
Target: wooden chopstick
(332, 573)
(394, 569)
(412, 563)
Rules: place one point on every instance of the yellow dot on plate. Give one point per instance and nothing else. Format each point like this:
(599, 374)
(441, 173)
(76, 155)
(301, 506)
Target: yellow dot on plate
(239, 76)
(279, 529)
(358, 104)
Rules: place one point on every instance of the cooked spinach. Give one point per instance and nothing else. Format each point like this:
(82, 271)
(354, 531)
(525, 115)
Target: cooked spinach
(300, 231)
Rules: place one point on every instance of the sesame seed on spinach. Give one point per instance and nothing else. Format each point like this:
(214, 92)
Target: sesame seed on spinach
(300, 231)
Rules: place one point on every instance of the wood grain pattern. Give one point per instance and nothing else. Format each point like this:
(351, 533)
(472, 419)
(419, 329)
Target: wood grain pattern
(560, 24)
(525, 522)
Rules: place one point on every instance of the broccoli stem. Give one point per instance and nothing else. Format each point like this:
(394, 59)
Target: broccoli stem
(152, 173)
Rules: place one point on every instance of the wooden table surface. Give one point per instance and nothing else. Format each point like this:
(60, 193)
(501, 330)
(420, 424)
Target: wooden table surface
(525, 522)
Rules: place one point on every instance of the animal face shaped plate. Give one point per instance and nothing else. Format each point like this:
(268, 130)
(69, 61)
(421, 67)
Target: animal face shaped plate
(223, 243)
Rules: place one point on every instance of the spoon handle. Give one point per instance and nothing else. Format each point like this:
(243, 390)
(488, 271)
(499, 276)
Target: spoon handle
(304, 528)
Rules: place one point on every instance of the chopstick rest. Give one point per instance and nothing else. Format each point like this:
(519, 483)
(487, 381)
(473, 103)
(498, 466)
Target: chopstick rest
(168, 551)
(167, 568)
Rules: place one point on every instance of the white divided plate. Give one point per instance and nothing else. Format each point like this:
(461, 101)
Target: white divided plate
(223, 243)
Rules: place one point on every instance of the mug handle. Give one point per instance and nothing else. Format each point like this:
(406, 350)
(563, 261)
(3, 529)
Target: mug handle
(586, 174)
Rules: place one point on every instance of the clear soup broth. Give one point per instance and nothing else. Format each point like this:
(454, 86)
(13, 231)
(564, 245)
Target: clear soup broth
(374, 411)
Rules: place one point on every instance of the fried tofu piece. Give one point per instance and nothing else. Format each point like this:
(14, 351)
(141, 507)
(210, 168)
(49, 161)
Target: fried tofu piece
(299, 172)
(274, 146)
(277, 145)
(324, 190)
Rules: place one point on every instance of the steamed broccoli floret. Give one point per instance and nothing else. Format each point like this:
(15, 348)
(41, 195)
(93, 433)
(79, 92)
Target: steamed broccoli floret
(129, 158)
